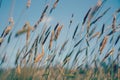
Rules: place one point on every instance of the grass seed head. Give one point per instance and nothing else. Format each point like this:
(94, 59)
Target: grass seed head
(58, 31)
(28, 3)
(40, 56)
(51, 39)
(1, 40)
(18, 69)
(103, 43)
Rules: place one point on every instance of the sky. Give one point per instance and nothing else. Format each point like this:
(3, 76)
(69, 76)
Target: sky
(65, 8)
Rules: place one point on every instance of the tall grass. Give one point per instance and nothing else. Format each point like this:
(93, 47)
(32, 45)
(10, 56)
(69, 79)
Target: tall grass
(87, 55)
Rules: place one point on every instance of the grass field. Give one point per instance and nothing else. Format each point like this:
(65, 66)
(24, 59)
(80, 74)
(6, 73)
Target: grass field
(88, 50)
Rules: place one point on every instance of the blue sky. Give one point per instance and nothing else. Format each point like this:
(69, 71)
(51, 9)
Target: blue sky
(62, 14)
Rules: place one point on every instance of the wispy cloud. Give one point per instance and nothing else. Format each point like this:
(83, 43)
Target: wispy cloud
(47, 19)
